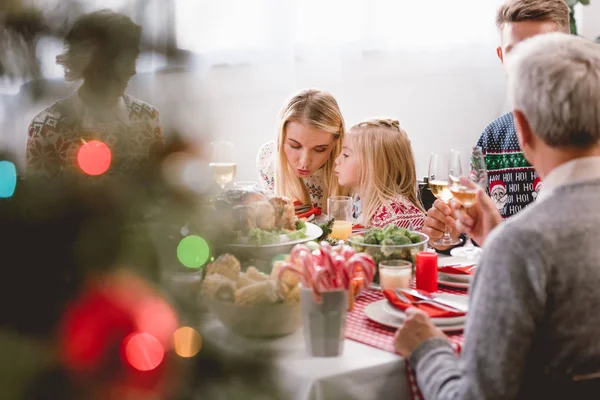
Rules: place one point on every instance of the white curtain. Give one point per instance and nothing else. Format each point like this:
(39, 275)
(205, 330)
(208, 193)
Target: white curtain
(238, 30)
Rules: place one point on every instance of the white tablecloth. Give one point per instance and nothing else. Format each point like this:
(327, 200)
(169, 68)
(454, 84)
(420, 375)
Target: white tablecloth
(361, 372)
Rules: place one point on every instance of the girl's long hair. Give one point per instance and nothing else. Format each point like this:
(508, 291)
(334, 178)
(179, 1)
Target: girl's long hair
(387, 165)
(320, 110)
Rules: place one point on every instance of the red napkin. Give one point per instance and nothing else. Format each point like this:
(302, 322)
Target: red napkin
(458, 269)
(357, 227)
(430, 309)
(315, 211)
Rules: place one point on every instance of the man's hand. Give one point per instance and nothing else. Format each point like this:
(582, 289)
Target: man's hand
(480, 219)
(416, 329)
(438, 217)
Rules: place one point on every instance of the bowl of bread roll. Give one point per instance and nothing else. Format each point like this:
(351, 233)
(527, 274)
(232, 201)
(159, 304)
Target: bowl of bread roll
(252, 303)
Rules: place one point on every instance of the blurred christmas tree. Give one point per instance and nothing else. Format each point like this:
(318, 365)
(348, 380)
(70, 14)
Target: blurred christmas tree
(87, 261)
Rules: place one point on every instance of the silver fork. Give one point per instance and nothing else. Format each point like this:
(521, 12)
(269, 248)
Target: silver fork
(405, 299)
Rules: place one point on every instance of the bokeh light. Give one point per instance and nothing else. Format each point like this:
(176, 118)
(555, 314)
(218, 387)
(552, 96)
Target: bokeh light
(156, 317)
(8, 179)
(94, 157)
(143, 351)
(193, 251)
(187, 342)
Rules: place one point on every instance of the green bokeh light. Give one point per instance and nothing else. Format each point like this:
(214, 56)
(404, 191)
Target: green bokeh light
(193, 251)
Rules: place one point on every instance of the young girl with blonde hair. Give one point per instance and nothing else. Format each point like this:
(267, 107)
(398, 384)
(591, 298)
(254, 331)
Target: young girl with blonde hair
(377, 165)
(300, 164)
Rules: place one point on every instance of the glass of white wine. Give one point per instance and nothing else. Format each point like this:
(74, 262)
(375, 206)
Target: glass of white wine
(222, 163)
(467, 195)
(439, 185)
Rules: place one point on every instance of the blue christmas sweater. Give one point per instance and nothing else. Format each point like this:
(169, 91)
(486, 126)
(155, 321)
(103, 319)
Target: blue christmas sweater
(512, 181)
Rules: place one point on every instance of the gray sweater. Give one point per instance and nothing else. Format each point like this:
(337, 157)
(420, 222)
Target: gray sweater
(534, 317)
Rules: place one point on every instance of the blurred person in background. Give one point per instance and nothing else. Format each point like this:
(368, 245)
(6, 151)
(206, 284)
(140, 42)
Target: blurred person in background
(512, 181)
(101, 50)
(300, 164)
(533, 321)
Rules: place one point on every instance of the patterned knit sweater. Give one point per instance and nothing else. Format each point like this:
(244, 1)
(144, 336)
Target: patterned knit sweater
(400, 212)
(512, 181)
(132, 132)
(265, 164)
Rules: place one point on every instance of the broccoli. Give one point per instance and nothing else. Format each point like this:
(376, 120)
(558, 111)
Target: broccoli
(389, 230)
(404, 232)
(371, 237)
(415, 238)
(385, 249)
(388, 242)
(378, 234)
(398, 238)
(356, 241)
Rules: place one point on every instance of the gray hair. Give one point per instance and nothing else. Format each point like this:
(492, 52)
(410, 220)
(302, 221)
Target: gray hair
(554, 80)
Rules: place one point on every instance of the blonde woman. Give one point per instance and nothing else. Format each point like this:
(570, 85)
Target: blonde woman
(300, 164)
(377, 165)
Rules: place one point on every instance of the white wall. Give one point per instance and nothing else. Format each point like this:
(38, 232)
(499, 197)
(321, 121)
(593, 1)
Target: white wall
(443, 100)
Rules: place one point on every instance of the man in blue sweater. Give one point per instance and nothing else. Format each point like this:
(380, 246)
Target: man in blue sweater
(533, 322)
(512, 181)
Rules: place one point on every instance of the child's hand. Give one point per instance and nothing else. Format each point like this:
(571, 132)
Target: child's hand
(438, 217)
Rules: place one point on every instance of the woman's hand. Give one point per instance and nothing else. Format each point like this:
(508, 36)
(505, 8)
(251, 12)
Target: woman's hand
(438, 217)
(416, 329)
(480, 219)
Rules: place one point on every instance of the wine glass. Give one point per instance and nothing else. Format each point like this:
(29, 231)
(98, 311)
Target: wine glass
(468, 195)
(222, 163)
(439, 185)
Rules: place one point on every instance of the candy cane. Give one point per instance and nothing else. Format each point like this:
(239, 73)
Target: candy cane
(347, 251)
(320, 278)
(366, 263)
(304, 278)
(302, 254)
(326, 246)
(339, 269)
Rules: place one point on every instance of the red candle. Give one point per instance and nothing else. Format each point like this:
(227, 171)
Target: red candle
(427, 271)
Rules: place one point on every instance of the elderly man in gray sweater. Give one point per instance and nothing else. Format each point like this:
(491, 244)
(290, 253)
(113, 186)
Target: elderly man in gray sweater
(534, 320)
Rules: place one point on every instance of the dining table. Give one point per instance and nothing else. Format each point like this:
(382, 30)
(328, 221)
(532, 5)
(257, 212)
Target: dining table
(368, 367)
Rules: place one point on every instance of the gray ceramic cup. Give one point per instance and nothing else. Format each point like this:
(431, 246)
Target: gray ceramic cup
(323, 323)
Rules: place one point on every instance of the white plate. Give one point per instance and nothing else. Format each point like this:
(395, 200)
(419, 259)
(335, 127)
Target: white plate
(444, 261)
(455, 277)
(312, 232)
(375, 312)
(390, 309)
(450, 282)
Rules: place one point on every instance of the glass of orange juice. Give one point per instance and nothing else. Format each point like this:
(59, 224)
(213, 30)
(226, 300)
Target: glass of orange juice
(340, 209)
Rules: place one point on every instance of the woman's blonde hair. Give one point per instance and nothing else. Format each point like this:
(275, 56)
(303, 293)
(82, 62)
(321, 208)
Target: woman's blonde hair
(387, 165)
(319, 110)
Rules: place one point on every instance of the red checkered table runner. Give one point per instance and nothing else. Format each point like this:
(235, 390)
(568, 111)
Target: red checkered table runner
(361, 329)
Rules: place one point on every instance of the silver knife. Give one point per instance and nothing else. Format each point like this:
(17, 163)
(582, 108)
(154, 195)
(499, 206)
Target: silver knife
(424, 296)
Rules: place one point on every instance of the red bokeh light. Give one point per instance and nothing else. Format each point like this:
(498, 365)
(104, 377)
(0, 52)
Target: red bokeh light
(110, 310)
(155, 316)
(91, 327)
(143, 351)
(94, 157)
